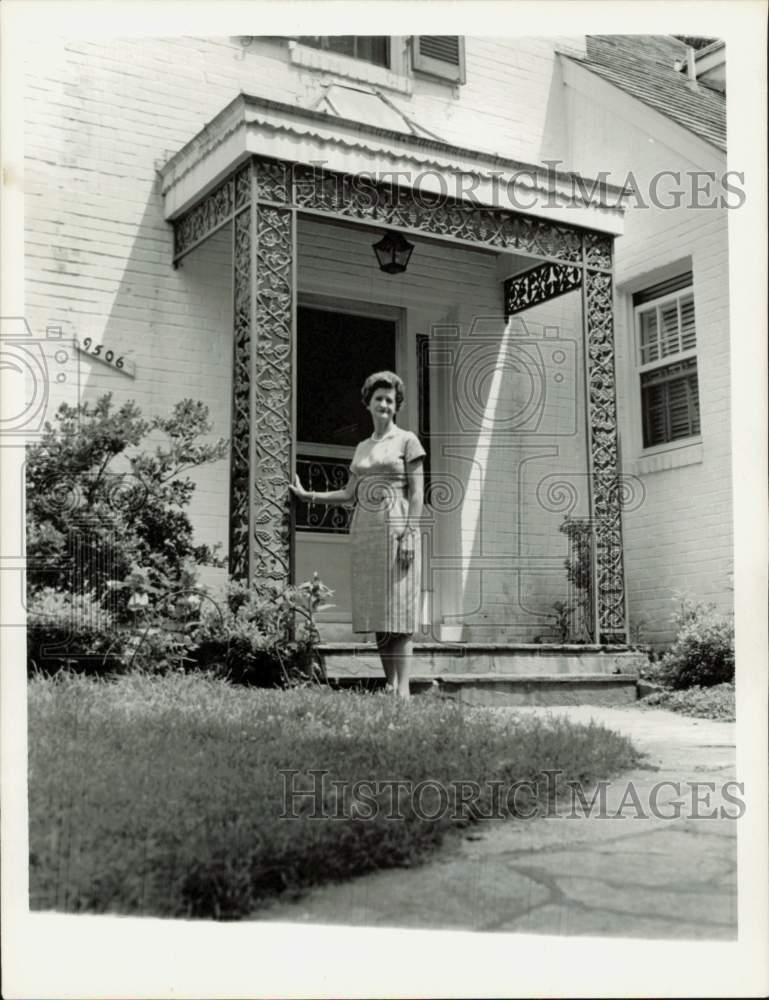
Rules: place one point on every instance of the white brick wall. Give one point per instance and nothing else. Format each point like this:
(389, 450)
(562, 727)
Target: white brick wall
(680, 538)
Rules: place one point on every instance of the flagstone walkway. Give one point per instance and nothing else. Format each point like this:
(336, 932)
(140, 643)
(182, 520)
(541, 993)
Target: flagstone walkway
(633, 877)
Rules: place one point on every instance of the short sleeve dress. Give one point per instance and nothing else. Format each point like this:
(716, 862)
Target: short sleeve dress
(385, 595)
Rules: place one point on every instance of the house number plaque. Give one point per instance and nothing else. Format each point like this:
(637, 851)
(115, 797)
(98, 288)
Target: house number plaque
(110, 357)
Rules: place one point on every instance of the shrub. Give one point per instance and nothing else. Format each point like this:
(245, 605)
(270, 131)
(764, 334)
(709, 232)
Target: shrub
(715, 702)
(99, 510)
(264, 634)
(70, 631)
(560, 619)
(108, 532)
(702, 653)
(579, 572)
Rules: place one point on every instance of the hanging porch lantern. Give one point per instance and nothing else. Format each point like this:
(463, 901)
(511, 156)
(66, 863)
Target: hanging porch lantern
(393, 252)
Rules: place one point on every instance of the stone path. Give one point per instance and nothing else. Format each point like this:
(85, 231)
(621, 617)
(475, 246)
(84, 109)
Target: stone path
(650, 877)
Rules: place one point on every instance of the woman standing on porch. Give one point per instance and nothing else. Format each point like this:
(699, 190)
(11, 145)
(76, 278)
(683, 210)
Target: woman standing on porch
(387, 484)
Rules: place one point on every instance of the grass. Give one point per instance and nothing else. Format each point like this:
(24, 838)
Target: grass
(163, 795)
(716, 702)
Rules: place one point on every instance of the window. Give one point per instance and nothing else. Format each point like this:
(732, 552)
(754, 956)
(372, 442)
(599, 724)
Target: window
(391, 61)
(368, 48)
(666, 351)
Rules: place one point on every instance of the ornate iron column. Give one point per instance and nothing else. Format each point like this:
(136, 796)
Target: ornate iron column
(264, 286)
(257, 199)
(605, 488)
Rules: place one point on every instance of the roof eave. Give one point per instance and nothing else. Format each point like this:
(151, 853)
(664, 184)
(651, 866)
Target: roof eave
(587, 67)
(258, 126)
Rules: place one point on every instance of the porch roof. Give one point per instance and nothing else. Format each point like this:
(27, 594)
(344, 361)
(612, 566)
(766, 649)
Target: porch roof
(251, 125)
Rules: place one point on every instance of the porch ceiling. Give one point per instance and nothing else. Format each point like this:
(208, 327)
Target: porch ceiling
(256, 126)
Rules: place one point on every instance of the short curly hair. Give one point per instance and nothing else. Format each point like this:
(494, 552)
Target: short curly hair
(383, 380)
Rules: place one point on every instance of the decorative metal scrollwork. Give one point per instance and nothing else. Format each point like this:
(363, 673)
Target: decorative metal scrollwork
(240, 438)
(606, 492)
(360, 197)
(273, 181)
(539, 284)
(272, 394)
(243, 179)
(320, 475)
(204, 218)
(580, 532)
(598, 250)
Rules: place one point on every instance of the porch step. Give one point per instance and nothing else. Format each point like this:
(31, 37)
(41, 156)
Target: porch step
(461, 659)
(500, 690)
(500, 674)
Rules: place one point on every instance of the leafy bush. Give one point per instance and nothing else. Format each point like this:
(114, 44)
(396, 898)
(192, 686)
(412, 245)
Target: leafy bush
(702, 653)
(560, 623)
(76, 632)
(715, 702)
(181, 816)
(578, 623)
(264, 634)
(108, 535)
(99, 510)
(70, 631)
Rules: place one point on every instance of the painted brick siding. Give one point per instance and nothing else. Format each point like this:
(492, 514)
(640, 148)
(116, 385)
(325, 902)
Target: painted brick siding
(679, 538)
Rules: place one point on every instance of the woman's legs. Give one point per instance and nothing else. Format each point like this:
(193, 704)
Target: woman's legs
(395, 652)
(401, 650)
(383, 647)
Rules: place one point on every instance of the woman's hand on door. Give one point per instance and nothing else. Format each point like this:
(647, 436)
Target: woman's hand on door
(298, 490)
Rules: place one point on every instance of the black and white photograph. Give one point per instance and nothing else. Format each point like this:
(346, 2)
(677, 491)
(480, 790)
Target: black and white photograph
(384, 499)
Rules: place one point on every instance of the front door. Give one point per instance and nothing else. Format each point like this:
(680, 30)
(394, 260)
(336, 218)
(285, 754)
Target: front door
(336, 351)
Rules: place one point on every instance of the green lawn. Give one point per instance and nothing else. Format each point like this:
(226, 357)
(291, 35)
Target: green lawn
(163, 795)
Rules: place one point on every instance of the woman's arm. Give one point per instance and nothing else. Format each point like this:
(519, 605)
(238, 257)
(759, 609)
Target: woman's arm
(330, 496)
(416, 480)
(407, 541)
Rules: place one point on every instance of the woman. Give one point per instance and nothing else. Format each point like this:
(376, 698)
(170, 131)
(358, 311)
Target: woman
(387, 484)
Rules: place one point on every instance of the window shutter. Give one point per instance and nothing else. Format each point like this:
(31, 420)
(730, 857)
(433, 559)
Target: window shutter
(671, 405)
(439, 55)
(688, 329)
(669, 338)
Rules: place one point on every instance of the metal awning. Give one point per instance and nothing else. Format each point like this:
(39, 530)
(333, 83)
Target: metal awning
(256, 126)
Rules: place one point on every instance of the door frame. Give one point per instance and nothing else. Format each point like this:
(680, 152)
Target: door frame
(404, 364)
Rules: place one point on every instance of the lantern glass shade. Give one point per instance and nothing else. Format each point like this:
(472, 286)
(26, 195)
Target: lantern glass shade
(393, 252)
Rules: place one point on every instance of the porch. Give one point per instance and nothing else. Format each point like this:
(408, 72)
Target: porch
(502, 330)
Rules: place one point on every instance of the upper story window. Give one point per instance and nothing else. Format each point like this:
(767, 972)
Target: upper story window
(393, 62)
(666, 353)
(369, 48)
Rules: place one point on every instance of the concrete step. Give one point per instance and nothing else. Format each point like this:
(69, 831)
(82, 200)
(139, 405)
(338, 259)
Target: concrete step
(499, 673)
(472, 659)
(500, 690)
